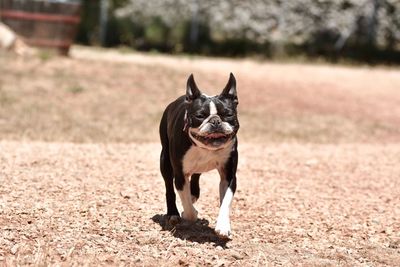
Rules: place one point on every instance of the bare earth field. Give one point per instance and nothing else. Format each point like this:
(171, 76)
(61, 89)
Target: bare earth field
(106, 96)
(318, 179)
(310, 205)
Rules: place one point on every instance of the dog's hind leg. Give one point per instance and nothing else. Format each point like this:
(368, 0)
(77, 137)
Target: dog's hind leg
(194, 187)
(182, 185)
(168, 175)
(167, 172)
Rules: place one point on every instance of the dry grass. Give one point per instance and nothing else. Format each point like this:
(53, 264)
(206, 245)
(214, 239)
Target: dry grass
(307, 205)
(318, 172)
(111, 97)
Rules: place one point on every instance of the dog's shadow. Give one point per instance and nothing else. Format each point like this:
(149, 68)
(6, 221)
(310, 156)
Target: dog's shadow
(198, 232)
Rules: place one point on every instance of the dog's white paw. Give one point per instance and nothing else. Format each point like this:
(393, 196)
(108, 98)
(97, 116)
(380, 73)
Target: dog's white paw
(223, 229)
(190, 216)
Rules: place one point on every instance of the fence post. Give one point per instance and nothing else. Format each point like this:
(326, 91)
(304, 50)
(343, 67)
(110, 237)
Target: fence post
(194, 25)
(104, 5)
(373, 23)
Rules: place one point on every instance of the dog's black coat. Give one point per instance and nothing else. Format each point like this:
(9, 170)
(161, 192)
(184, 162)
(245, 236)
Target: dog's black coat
(186, 113)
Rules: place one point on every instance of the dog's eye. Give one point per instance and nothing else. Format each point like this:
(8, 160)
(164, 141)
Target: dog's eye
(200, 116)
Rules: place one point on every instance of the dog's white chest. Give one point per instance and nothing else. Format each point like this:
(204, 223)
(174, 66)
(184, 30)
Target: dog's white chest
(199, 160)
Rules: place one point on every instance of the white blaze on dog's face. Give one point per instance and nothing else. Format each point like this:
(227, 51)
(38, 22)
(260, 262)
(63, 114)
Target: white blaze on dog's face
(212, 120)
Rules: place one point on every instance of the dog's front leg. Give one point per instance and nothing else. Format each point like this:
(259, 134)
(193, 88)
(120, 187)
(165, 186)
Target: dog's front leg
(227, 188)
(223, 186)
(223, 227)
(182, 184)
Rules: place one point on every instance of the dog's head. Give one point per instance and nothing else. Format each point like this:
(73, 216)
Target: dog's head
(211, 121)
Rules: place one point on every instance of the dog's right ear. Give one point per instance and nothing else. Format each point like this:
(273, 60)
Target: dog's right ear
(192, 91)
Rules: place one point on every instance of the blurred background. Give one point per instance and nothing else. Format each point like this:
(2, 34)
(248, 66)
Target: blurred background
(361, 30)
(356, 29)
(308, 71)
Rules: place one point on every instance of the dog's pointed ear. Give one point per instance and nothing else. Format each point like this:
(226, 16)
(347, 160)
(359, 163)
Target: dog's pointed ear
(192, 91)
(230, 89)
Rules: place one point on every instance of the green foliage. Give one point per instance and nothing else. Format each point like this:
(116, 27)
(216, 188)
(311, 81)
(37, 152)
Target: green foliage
(118, 3)
(156, 32)
(88, 28)
(177, 36)
(273, 29)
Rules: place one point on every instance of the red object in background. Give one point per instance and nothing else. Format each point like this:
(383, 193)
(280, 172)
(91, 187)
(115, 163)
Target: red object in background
(43, 24)
(13, 14)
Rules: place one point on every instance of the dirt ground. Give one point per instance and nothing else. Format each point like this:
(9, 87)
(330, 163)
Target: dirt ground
(107, 96)
(318, 176)
(308, 205)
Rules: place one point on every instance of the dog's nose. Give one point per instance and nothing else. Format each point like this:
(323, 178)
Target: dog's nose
(216, 121)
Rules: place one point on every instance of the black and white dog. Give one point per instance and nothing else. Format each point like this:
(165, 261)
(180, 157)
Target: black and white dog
(198, 134)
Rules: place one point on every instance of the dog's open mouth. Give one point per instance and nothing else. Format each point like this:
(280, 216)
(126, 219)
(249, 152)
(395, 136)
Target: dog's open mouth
(213, 139)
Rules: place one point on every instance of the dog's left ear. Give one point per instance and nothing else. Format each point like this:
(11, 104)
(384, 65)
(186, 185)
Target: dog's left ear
(230, 89)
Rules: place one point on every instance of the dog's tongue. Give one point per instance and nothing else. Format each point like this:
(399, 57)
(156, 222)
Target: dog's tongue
(215, 135)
